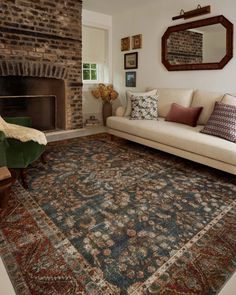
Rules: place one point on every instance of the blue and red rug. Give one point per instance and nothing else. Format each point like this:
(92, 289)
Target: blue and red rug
(106, 217)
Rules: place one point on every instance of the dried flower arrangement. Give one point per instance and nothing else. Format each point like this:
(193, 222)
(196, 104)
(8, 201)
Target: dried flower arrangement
(105, 92)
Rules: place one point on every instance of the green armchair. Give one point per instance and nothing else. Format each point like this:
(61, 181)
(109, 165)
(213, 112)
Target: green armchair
(3, 146)
(16, 154)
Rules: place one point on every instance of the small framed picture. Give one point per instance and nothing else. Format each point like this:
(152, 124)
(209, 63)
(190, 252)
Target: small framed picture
(125, 44)
(137, 41)
(130, 79)
(131, 61)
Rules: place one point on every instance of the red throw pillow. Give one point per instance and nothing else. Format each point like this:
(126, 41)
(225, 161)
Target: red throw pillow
(183, 115)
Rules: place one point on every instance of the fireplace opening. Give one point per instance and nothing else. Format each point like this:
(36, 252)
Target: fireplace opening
(42, 100)
(39, 109)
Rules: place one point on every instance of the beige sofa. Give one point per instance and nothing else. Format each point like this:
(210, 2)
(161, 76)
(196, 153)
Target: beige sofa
(178, 139)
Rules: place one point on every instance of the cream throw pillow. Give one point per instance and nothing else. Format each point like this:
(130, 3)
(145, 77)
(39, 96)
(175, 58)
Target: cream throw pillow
(128, 99)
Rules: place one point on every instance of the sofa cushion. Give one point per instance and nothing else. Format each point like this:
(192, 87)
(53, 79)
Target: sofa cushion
(229, 99)
(222, 122)
(167, 96)
(179, 136)
(128, 99)
(144, 107)
(207, 100)
(184, 115)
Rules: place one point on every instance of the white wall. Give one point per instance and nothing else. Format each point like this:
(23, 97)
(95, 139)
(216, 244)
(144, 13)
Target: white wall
(91, 105)
(151, 21)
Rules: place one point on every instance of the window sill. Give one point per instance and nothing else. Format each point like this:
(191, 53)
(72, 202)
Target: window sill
(91, 82)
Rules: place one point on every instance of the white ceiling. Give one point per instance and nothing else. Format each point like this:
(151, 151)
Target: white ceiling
(112, 7)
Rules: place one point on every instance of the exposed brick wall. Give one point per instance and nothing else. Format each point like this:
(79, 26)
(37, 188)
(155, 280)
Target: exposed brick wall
(185, 47)
(42, 38)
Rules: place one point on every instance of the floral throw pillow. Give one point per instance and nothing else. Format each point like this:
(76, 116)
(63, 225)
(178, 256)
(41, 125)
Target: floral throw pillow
(144, 107)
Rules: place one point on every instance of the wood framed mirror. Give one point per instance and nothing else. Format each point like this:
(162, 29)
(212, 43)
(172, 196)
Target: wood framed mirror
(205, 44)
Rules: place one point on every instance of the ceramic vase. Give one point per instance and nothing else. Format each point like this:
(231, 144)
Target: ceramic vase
(106, 111)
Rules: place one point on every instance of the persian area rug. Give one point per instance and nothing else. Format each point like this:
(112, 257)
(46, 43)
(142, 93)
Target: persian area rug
(106, 217)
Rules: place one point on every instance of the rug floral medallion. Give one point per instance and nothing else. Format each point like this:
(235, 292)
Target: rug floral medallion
(114, 217)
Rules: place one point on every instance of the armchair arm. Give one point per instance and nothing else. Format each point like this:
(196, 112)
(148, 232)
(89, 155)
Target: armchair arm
(3, 146)
(22, 121)
(2, 136)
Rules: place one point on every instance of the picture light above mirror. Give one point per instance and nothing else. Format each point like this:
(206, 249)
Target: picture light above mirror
(205, 44)
(192, 13)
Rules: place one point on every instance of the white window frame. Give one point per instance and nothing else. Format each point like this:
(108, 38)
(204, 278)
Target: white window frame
(97, 20)
(90, 69)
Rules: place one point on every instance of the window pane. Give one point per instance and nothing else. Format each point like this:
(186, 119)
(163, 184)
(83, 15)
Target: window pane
(86, 74)
(93, 66)
(86, 66)
(93, 75)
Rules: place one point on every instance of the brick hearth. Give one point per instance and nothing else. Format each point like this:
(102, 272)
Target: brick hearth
(42, 38)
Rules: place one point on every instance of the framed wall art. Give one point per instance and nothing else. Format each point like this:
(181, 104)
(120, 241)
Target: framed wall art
(137, 41)
(130, 79)
(125, 44)
(131, 61)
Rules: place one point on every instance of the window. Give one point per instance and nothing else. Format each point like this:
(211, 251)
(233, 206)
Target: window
(90, 72)
(95, 55)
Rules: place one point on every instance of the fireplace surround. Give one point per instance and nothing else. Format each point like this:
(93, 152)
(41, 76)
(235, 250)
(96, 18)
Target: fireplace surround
(40, 44)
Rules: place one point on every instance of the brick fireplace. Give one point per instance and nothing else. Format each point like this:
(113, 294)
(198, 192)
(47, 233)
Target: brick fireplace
(40, 40)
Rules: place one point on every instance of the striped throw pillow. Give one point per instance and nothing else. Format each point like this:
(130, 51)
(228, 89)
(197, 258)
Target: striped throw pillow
(222, 122)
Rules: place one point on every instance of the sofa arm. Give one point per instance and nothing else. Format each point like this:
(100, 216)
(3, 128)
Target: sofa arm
(120, 111)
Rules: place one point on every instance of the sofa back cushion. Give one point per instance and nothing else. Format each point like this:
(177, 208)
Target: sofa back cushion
(167, 96)
(205, 99)
(229, 99)
(128, 99)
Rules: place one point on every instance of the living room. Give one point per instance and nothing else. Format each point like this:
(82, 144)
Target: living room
(120, 204)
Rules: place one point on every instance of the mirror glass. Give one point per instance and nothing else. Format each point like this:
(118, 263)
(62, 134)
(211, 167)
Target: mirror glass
(204, 44)
(201, 45)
